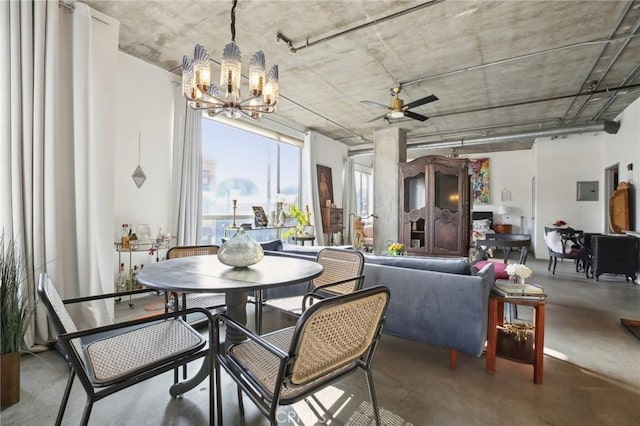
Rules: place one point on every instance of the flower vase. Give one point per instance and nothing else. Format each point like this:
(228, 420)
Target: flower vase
(240, 251)
(517, 279)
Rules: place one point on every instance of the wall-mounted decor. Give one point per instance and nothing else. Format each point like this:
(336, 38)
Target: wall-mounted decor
(479, 171)
(138, 175)
(587, 191)
(325, 186)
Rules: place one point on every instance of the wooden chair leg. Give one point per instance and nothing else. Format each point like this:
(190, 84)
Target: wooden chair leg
(453, 359)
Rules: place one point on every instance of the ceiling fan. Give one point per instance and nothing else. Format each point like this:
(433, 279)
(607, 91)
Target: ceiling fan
(398, 109)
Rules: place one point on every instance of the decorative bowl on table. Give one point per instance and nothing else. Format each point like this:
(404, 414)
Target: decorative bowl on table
(240, 251)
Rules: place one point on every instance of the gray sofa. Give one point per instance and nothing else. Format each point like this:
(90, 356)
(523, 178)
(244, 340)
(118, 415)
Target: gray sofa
(439, 301)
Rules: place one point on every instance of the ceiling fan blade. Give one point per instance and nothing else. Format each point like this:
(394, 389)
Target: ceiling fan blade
(375, 104)
(422, 101)
(377, 118)
(415, 116)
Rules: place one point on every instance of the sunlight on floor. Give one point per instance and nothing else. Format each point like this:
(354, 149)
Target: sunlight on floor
(555, 354)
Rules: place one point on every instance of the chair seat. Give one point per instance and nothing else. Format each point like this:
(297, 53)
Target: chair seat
(263, 365)
(291, 304)
(138, 349)
(205, 301)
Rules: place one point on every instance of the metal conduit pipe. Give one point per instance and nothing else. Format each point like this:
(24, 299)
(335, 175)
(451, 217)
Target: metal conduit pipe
(608, 126)
(613, 60)
(308, 44)
(587, 79)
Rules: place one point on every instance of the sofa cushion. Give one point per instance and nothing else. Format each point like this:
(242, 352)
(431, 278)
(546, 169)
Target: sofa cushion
(499, 268)
(452, 265)
(274, 245)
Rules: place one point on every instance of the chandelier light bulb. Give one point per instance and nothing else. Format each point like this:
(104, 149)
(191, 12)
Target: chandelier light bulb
(201, 68)
(256, 73)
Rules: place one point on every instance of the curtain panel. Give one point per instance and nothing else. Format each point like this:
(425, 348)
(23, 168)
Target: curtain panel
(56, 182)
(349, 199)
(186, 195)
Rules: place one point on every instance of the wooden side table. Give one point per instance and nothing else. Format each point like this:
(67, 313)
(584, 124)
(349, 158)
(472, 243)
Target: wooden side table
(504, 345)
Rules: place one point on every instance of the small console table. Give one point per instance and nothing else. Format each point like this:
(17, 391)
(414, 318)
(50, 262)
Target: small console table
(303, 238)
(504, 345)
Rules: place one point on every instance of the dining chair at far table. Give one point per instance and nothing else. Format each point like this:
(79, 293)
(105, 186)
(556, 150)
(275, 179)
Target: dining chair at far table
(341, 274)
(563, 243)
(285, 366)
(212, 301)
(110, 358)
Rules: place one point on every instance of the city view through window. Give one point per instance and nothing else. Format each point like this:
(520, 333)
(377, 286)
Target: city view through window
(252, 169)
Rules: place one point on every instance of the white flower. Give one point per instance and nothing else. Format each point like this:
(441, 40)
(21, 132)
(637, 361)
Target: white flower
(518, 269)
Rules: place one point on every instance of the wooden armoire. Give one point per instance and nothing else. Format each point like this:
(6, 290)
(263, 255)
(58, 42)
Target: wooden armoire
(435, 211)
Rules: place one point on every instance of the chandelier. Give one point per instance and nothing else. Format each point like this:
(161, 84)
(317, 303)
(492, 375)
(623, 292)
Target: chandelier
(203, 95)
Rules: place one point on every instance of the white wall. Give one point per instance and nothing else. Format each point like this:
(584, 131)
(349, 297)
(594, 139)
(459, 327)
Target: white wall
(144, 104)
(560, 164)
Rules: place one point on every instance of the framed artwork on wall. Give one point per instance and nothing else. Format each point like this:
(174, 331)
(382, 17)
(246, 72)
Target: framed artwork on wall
(325, 185)
(479, 171)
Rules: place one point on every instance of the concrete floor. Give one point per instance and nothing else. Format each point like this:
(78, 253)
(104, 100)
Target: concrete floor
(591, 377)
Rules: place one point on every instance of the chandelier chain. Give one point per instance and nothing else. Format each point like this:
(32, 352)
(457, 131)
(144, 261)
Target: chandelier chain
(233, 20)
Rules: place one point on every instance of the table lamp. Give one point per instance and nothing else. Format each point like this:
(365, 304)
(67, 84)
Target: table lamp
(502, 211)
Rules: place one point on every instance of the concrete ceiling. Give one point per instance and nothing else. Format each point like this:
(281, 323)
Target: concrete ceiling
(497, 67)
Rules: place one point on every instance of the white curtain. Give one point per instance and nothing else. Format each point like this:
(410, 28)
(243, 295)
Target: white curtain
(349, 199)
(95, 45)
(186, 197)
(56, 181)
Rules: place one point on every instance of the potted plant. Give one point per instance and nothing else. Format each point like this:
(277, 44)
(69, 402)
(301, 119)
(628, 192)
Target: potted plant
(15, 314)
(303, 218)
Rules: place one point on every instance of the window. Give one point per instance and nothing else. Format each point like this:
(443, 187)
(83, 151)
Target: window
(363, 181)
(252, 169)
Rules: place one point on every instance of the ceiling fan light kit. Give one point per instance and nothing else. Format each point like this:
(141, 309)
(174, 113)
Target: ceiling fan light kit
(203, 95)
(398, 109)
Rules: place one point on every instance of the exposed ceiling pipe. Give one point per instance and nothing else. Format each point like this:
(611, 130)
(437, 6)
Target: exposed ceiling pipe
(612, 97)
(612, 61)
(516, 58)
(534, 101)
(588, 79)
(607, 126)
(294, 49)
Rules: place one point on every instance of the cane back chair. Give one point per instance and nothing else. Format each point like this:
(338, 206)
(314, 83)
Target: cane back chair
(214, 301)
(341, 274)
(111, 358)
(285, 366)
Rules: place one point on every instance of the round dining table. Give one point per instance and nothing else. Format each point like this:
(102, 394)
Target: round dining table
(206, 274)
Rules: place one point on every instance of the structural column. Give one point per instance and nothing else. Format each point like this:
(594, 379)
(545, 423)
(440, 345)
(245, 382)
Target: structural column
(389, 149)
